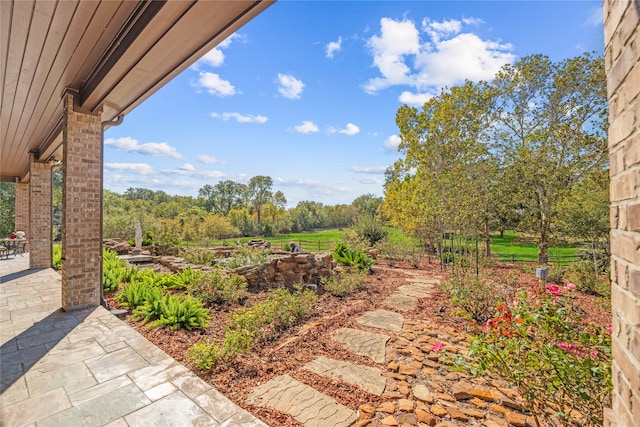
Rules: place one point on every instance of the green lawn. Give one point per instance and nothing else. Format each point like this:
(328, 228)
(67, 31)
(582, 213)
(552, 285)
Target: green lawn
(509, 248)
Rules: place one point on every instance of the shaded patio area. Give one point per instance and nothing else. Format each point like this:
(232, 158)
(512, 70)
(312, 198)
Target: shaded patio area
(88, 368)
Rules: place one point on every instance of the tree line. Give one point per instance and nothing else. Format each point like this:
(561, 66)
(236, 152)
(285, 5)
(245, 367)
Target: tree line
(526, 151)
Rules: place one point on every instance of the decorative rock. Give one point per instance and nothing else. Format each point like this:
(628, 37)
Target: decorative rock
(472, 413)
(516, 419)
(421, 392)
(443, 396)
(393, 367)
(478, 403)
(498, 409)
(415, 364)
(501, 422)
(366, 411)
(425, 417)
(405, 405)
(361, 423)
(407, 419)
(392, 395)
(428, 371)
(387, 407)
(389, 421)
(408, 370)
(433, 385)
(456, 414)
(438, 410)
(491, 423)
(484, 394)
(404, 390)
(452, 376)
(508, 403)
(461, 391)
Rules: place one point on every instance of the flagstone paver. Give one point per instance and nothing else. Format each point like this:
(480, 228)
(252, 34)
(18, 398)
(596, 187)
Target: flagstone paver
(382, 319)
(305, 404)
(417, 290)
(367, 378)
(89, 368)
(364, 343)
(400, 302)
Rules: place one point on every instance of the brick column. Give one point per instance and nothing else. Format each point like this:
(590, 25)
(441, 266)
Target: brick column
(40, 206)
(22, 208)
(81, 208)
(622, 62)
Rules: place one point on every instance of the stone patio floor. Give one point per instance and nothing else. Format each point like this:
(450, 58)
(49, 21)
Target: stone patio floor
(88, 368)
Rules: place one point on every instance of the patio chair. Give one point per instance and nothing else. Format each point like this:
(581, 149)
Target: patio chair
(21, 248)
(4, 252)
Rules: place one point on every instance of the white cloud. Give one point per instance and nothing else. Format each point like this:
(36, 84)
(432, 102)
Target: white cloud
(445, 56)
(307, 126)
(156, 149)
(369, 169)
(407, 97)
(215, 57)
(138, 168)
(595, 18)
(240, 118)
(333, 47)
(208, 160)
(391, 144)
(369, 180)
(298, 182)
(213, 84)
(193, 173)
(350, 130)
(187, 167)
(290, 87)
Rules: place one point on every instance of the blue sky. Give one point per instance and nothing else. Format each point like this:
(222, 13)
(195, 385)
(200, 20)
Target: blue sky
(307, 92)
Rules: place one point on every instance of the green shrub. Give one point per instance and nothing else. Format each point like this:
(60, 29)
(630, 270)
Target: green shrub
(370, 228)
(556, 275)
(174, 311)
(219, 287)
(56, 260)
(542, 346)
(344, 283)
(352, 258)
(244, 256)
(200, 257)
(281, 310)
(583, 275)
(186, 278)
(114, 271)
(137, 292)
(477, 296)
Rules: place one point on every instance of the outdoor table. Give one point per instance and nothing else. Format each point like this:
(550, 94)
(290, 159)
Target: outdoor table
(12, 246)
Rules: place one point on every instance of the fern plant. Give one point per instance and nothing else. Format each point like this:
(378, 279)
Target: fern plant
(352, 258)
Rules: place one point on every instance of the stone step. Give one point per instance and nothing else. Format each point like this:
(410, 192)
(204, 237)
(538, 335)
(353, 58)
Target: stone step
(400, 302)
(364, 343)
(418, 290)
(305, 404)
(382, 319)
(367, 378)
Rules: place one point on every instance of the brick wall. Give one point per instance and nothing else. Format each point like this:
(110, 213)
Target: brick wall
(40, 206)
(622, 59)
(81, 208)
(22, 208)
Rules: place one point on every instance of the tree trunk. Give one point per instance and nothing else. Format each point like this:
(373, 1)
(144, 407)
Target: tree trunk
(543, 255)
(487, 238)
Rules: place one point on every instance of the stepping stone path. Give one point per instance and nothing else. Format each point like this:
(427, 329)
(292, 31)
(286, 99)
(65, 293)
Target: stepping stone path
(382, 319)
(305, 404)
(416, 383)
(367, 378)
(364, 343)
(312, 408)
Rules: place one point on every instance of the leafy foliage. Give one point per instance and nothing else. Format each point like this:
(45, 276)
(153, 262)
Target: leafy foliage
(219, 287)
(114, 271)
(370, 228)
(352, 258)
(542, 346)
(174, 311)
(343, 283)
(281, 310)
(57, 257)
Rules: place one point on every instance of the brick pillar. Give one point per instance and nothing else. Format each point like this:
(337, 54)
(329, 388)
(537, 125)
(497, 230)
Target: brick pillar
(40, 206)
(622, 62)
(81, 208)
(22, 208)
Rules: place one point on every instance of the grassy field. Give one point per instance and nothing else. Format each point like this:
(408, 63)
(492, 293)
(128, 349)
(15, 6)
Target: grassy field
(510, 248)
(507, 248)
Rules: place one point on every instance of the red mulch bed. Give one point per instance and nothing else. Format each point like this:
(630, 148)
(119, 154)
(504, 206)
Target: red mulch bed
(298, 346)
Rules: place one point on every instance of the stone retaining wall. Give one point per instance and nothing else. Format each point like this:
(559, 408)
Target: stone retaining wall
(283, 269)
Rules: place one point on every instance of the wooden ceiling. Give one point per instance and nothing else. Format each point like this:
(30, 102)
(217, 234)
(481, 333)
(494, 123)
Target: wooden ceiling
(113, 53)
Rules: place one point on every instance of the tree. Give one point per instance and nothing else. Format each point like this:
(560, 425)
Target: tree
(367, 204)
(550, 123)
(223, 197)
(259, 192)
(443, 182)
(7, 208)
